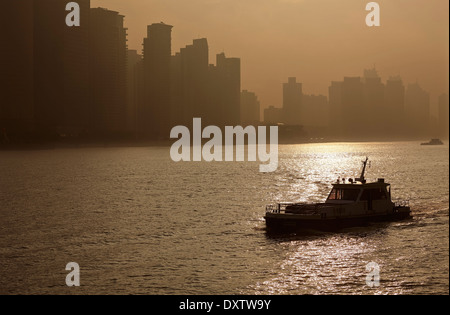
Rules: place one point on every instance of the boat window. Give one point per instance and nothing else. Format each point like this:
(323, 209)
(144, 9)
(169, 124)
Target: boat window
(373, 194)
(344, 194)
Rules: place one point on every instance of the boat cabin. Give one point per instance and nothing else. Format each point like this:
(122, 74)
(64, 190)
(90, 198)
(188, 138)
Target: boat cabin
(354, 193)
(374, 196)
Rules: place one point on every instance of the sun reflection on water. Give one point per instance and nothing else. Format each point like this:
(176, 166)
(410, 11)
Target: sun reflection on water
(319, 265)
(335, 263)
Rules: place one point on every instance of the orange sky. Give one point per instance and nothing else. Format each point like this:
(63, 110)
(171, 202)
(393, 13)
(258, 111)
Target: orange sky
(316, 41)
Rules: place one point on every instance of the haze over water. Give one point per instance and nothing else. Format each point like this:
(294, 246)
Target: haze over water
(138, 223)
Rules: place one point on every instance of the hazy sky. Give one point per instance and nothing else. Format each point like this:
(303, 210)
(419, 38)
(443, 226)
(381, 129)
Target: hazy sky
(316, 41)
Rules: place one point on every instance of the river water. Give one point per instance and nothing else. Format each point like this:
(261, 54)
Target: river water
(138, 223)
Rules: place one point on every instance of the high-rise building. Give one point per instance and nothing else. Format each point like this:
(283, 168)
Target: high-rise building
(46, 68)
(16, 69)
(292, 102)
(108, 57)
(417, 102)
(335, 104)
(250, 108)
(394, 99)
(49, 25)
(443, 107)
(134, 65)
(375, 110)
(155, 116)
(190, 78)
(178, 112)
(199, 89)
(215, 98)
(76, 100)
(353, 110)
(227, 101)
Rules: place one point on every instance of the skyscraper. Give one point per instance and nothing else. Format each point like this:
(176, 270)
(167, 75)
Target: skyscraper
(335, 104)
(49, 26)
(191, 78)
(394, 98)
(292, 102)
(250, 108)
(353, 110)
(76, 104)
(46, 68)
(50, 62)
(178, 112)
(228, 80)
(155, 115)
(16, 64)
(417, 102)
(199, 89)
(375, 110)
(108, 57)
(134, 64)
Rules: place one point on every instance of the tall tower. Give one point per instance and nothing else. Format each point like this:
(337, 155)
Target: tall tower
(193, 73)
(229, 83)
(155, 116)
(353, 109)
(417, 104)
(108, 58)
(250, 108)
(375, 112)
(335, 103)
(395, 103)
(60, 69)
(134, 64)
(48, 67)
(292, 101)
(16, 64)
(76, 102)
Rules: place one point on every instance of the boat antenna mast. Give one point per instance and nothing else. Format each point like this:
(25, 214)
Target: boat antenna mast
(361, 178)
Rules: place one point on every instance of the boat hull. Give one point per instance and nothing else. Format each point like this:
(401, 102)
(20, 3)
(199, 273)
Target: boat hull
(288, 223)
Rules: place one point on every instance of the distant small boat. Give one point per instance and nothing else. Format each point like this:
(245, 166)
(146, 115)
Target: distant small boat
(434, 142)
(349, 204)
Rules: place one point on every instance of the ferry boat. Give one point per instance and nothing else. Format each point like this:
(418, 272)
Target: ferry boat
(434, 142)
(349, 204)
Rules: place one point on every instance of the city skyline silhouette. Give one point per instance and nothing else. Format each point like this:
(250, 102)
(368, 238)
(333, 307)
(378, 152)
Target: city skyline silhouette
(87, 81)
(315, 41)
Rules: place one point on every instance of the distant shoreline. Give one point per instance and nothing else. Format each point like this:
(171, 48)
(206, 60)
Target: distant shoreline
(35, 146)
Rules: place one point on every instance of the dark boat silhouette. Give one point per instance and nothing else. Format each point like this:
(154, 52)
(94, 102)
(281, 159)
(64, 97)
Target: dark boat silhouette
(433, 142)
(351, 204)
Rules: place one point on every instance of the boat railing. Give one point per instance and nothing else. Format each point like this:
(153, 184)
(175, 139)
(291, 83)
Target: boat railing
(296, 208)
(278, 207)
(401, 203)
